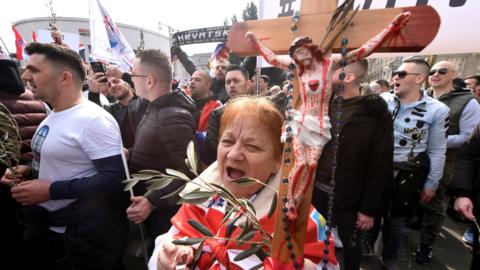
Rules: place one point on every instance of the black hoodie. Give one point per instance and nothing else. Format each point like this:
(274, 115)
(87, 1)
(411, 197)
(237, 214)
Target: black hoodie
(162, 138)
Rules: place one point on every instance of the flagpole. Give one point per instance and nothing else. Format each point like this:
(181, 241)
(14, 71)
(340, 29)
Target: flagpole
(140, 227)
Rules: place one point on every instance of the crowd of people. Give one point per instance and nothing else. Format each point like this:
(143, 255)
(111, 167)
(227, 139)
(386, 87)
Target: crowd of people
(402, 149)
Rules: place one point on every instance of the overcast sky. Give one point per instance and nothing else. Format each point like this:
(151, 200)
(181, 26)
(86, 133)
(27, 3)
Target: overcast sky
(179, 14)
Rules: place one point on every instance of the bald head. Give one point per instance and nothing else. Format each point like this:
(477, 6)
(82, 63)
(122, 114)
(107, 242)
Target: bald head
(200, 84)
(441, 76)
(445, 64)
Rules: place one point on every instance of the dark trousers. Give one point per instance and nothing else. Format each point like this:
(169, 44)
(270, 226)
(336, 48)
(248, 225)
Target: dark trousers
(351, 239)
(347, 231)
(433, 215)
(476, 250)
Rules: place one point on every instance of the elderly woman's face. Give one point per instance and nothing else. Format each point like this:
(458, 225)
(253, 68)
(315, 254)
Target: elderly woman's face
(246, 149)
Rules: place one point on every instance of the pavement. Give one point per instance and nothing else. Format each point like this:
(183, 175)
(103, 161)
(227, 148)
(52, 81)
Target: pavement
(449, 251)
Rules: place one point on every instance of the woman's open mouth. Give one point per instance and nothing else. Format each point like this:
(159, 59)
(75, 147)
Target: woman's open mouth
(235, 173)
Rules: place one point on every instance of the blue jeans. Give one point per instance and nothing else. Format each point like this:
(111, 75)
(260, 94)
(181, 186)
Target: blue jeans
(393, 232)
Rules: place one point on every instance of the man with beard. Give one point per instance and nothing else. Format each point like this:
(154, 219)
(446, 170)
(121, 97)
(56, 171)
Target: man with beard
(364, 158)
(473, 82)
(74, 183)
(237, 84)
(128, 109)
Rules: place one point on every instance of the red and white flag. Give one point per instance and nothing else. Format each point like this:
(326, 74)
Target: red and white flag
(108, 43)
(19, 43)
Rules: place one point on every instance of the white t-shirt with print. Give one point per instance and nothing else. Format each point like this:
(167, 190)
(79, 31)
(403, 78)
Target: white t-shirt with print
(66, 142)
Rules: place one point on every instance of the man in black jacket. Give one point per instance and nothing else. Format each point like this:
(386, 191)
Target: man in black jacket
(466, 187)
(364, 162)
(161, 139)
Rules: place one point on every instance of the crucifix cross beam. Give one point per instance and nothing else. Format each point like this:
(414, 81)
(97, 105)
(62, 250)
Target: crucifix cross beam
(276, 33)
(315, 16)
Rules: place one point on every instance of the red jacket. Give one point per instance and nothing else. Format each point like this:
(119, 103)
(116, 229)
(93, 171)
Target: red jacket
(28, 113)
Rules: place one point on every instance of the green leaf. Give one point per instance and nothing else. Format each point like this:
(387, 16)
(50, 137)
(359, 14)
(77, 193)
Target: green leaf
(130, 184)
(266, 242)
(197, 194)
(247, 253)
(159, 183)
(248, 236)
(273, 206)
(192, 201)
(150, 172)
(256, 267)
(196, 197)
(178, 174)
(197, 254)
(200, 227)
(231, 225)
(142, 177)
(261, 254)
(230, 229)
(245, 230)
(224, 192)
(187, 241)
(248, 206)
(245, 181)
(192, 158)
(228, 214)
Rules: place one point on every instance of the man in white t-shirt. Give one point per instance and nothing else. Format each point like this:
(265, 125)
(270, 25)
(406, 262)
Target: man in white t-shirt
(73, 186)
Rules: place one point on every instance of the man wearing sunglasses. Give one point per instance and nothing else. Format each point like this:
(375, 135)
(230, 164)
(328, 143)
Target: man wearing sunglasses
(464, 115)
(420, 124)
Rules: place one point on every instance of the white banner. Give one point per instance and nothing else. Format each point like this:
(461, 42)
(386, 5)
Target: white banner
(71, 39)
(458, 31)
(108, 43)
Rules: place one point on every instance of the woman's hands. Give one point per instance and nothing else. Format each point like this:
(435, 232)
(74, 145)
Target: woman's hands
(171, 256)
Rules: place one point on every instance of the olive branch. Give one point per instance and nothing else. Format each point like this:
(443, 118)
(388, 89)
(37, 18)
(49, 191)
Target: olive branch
(236, 207)
(10, 141)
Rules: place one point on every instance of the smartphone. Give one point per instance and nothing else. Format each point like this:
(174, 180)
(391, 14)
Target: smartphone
(99, 67)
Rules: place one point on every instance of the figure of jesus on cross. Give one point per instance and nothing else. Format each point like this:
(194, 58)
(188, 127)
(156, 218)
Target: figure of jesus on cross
(310, 124)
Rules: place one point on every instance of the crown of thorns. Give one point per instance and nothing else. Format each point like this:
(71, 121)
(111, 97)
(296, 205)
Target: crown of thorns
(297, 42)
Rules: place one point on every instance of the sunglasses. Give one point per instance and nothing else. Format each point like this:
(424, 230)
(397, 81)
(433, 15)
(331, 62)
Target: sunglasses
(402, 74)
(441, 71)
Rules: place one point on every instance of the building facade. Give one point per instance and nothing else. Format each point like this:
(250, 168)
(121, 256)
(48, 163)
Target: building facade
(465, 64)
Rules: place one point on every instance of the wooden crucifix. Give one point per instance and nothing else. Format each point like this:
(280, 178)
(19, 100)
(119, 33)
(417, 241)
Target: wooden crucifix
(276, 35)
